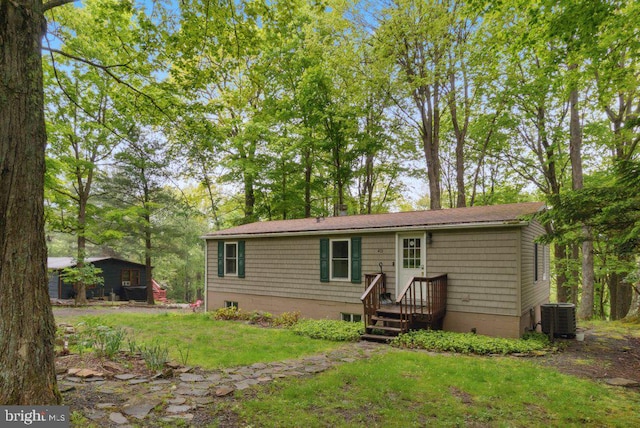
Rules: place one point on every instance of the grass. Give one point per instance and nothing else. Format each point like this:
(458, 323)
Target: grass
(615, 329)
(404, 388)
(210, 344)
(399, 387)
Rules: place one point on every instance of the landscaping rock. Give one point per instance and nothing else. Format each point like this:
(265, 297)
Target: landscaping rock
(178, 409)
(224, 391)
(126, 376)
(618, 381)
(86, 373)
(140, 411)
(190, 377)
(118, 418)
(105, 405)
(193, 392)
(177, 401)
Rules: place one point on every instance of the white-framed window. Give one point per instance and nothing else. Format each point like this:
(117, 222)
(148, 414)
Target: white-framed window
(540, 262)
(231, 258)
(340, 259)
(351, 317)
(230, 304)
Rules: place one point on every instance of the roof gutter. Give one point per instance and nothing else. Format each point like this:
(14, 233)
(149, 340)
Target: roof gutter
(513, 223)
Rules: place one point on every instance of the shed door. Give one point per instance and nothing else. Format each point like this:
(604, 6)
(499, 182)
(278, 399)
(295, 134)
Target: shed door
(410, 258)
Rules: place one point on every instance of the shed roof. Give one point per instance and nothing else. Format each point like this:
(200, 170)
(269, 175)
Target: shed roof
(65, 262)
(477, 216)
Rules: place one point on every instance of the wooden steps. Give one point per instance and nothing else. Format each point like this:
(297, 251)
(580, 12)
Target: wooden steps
(385, 325)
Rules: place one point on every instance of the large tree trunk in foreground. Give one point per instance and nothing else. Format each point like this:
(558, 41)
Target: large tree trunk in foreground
(27, 372)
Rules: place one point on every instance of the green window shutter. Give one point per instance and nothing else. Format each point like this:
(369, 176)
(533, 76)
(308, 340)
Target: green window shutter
(220, 258)
(356, 260)
(324, 260)
(240, 259)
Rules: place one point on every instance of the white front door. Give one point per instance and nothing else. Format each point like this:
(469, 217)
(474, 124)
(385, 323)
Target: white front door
(410, 258)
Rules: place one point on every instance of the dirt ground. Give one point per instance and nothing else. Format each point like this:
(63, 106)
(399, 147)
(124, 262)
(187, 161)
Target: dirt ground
(602, 355)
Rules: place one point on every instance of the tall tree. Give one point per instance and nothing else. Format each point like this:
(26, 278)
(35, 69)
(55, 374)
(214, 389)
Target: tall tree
(26, 321)
(415, 35)
(134, 195)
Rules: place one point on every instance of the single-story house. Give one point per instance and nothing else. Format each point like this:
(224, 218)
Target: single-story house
(481, 264)
(124, 278)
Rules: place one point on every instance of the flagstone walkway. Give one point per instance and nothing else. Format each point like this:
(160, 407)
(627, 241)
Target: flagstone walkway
(185, 394)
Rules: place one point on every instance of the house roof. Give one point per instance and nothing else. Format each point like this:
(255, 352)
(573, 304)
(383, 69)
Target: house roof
(65, 262)
(478, 216)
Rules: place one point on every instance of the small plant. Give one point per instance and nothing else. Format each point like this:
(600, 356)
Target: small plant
(108, 341)
(154, 355)
(184, 354)
(339, 331)
(132, 346)
(286, 319)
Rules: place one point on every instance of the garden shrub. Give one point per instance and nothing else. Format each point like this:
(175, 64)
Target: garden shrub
(230, 313)
(286, 319)
(339, 331)
(259, 317)
(469, 343)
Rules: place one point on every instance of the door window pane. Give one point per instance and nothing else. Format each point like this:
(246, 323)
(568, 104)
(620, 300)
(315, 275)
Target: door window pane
(411, 253)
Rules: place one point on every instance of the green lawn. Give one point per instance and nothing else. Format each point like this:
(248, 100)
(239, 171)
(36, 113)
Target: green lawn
(397, 388)
(405, 388)
(211, 344)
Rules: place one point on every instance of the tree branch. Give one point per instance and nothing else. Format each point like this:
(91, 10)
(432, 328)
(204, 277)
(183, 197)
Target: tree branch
(54, 3)
(110, 73)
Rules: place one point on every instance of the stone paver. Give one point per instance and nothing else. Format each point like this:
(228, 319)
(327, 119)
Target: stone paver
(618, 381)
(118, 418)
(188, 389)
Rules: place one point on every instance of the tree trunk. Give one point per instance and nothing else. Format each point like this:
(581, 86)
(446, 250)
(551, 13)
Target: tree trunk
(147, 251)
(429, 132)
(577, 182)
(560, 251)
(308, 169)
(27, 327)
(588, 276)
(461, 134)
(634, 308)
(81, 288)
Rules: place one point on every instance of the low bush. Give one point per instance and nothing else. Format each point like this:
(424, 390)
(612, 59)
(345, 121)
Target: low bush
(259, 317)
(469, 343)
(339, 331)
(286, 319)
(230, 313)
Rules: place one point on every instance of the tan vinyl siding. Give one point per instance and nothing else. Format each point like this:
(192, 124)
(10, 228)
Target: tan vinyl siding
(534, 292)
(289, 267)
(482, 269)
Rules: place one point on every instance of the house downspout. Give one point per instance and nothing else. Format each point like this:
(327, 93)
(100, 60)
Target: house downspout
(206, 285)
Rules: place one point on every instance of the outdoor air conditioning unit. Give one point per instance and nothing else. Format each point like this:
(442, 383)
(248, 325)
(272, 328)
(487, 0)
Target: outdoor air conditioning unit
(559, 319)
(126, 283)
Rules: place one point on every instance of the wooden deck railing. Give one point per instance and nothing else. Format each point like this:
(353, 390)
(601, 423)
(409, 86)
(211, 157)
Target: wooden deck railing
(425, 297)
(375, 285)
